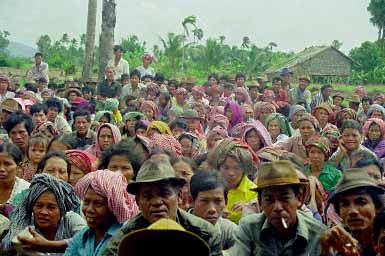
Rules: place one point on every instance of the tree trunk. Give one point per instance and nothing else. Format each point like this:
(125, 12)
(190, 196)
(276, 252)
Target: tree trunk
(90, 40)
(107, 35)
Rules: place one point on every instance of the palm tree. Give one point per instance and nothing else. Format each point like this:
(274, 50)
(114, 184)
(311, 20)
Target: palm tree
(245, 42)
(222, 39)
(189, 20)
(173, 48)
(198, 33)
(90, 40)
(272, 45)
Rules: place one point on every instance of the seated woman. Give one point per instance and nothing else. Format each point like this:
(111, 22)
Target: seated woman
(150, 110)
(158, 127)
(242, 96)
(48, 207)
(322, 113)
(215, 134)
(318, 151)
(263, 110)
(296, 112)
(278, 127)
(332, 133)
(190, 145)
(102, 117)
(81, 164)
(106, 206)
(107, 135)
(376, 111)
(164, 103)
(130, 119)
(346, 114)
(234, 114)
(235, 161)
(374, 132)
(256, 136)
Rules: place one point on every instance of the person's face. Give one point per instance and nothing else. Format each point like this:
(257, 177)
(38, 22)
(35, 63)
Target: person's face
(3, 86)
(103, 120)
(46, 211)
(322, 116)
(36, 152)
(351, 139)
(58, 146)
(140, 132)
(249, 114)
(52, 114)
(162, 100)
(106, 138)
(157, 201)
(8, 168)
(316, 156)
(176, 131)
(122, 165)
(171, 89)
(72, 96)
(365, 106)
(374, 132)
(253, 92)
(263, 115)
(228, 91)
(377, 114)
(38, 60)
(146, 62)
(354, 105)
(180, 99)
(110, 74)
(209, 204)
(82, 125)
(306, 129)
(130, 124)
(76, 175)
(19, 135)
(276, 86)
(41, 86)
(327, 92)
(381, 243)
(232, 172)
(186, 147)
(184, 169)
(96, 212)
(192, 124)
(211, 141)
(149, 113)
(357, 211)
(212, 81)
(303, 84)
(87, 95)
(240, 81)
(337, 101)
(252, 138)
(280, 202)
(118, 54)
(239, 97)
(274, 129)
(285, 78)
(56, 167)
(39, 118)
(374, 172)
(296, 117)
(45, 96)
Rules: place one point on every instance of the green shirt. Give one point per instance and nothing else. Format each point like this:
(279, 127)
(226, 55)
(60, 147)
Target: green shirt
(257, 237)
(329, 176)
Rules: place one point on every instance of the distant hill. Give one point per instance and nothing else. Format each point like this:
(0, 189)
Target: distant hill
(20, 50)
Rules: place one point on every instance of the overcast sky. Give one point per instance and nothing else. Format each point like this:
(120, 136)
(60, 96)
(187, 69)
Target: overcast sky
(292, 24)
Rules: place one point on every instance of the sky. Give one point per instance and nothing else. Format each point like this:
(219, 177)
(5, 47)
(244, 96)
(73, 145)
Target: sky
(291, 24)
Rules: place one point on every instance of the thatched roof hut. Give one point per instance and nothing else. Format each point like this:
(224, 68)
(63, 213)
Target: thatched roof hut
(316, 61)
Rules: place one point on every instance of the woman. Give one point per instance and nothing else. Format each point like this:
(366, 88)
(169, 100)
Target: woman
(48, 207)
(256, 136)
(190, 145)
(296, 112)
(130, 120)
(150, 110)
(322, 113)
(158, 127)
(374, 132)
(103, 117)
(146, 69)
(263, 110)
(242, 96)
(235, 160)
(332, 133)
(216, 134)
(308, 126)
(346, 114)
(318, 152)
(376, 111)
(107, 135)
(278, 127)
(234, 114)
(106, 206)
(248, 113)
(164, 103)
(56, 164)
(81, 164)
(48, 129)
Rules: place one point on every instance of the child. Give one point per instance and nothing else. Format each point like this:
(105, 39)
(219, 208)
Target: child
(374, 131)
(37, 148)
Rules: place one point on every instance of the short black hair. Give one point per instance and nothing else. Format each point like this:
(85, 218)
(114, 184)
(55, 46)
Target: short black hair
(124, 77)
(181, 123)
(82, 112)
(367, 99)
(135, 72)
(174, 82)
(186, 136)
(159, 77)
(87, 88)
(166, 95)
(37, 108)
(240, 75)
(140, 125)
(367, 160)
(213, 75)
(378, 224)
(147, 76)
(200, 159)
(276, 79)
(54, 103)
(52, 86)
(351, 124)
(17, 118)
(12, 150)
(118, 48)
(30, 87)
(205, 181)
(224, 77)
(162, 151)
(38, 54)
(326, 86)
(59, 154)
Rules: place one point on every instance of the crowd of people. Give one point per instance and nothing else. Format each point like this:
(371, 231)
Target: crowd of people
(138, 164)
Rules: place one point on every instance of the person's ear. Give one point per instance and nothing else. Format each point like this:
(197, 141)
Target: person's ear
(180, 197)
(301, 197)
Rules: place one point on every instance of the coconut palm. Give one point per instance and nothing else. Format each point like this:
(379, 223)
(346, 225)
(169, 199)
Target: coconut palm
(173, 48)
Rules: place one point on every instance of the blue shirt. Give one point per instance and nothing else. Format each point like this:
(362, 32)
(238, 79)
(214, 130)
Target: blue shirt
(83, 243)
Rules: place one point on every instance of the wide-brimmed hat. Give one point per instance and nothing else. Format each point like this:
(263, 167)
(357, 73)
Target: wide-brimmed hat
(191, 114)
(323, 105)
(338, 94)
(355, 99)
(286, 71)
(154, 171)
(263, 78)
(354, 178)
(10, 105)
(278, 173)
(75, 90)
(163, 237)
(304, 77)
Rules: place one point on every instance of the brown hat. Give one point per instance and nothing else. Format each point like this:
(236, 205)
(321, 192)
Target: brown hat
(278, 173)
(75, 90)
(323, 105)
(154, 171)
(354, 178)
(338, 94)
(253, 84)
(157, 239)
(10, 105)
(304, 77)
(355, 99)
(263, 78)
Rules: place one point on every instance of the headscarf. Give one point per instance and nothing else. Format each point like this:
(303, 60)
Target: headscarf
(331, 132)
(181, 91)
(312, 120)
(268, 94)
(49, 91)
(131, 115)
(47, 127)
(153, 88)
(237, 130)
(237, 149)
(321, 143)
(360, 90)
(30, 95)
(198, 90)
(282, 122)
(369, 122)
(264, 107)
(245, 94)
(263, 134)
(162, 127)
(376, 107)
(195, 146)
(178, 111)
(149, 57)
(100, 114)
(379, 96)
(220, 120)
(96, 149)
(113, 186)
(150, 104)
(167, 142)
(81, 159)
(343, 113)
(4, 78)
(237, 113)
(324, 105)
(41, 183)
(294, 110)
(217, 110)
(218, 130)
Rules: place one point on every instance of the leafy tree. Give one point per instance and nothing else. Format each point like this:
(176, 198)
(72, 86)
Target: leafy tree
(368, 55)
(173, 49)
(272, 45)
(337, 44)
(377, 10)
(245, 42)
(44, 44)
(4, 42)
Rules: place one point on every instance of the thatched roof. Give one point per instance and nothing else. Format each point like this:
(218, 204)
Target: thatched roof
(305, 55)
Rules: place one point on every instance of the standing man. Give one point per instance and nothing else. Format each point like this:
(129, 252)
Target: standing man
(285, 76)
(39, 69)
(109, 88)
(300, 93)
(120, 65)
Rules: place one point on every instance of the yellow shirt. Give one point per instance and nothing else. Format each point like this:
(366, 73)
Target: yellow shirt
(241, 193)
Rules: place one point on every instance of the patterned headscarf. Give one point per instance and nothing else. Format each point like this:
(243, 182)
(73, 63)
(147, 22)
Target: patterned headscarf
(100, 114)
(377, 121)
(331, 132)
(196, 147)
(165, 141)
(360, 90)
(149, 57)
(4, 78)
(132, 115)
(346, 113)
(218, 130)
(198, 90)
(162, 127)
(153, 88)
(321, 143)
(245, 94)
(181, 91)
(47, 127)
(220, 120)
(264, 135)
(376, 107)
(113, 186)
(379, 96)
(237, 130)
(95, 149)
(46, 90)
(282, 122)
(264, 107)
(81, 159)
(152, 105)
(268, 94)
(237, 113)
(312, 120)
(294, 110)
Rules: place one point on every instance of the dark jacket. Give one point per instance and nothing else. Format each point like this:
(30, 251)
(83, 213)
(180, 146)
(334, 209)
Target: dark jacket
(191, 223)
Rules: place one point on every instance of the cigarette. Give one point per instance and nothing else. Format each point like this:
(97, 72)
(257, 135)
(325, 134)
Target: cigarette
(284, 223)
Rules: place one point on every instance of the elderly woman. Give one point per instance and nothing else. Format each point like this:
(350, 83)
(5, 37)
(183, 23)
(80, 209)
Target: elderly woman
(322, 113)
(214, 135)
(48, 207)
(263, 110)
(296, 112)
(235, 160)
(150, 110)
(308, 126)
(158, 127)
(106, 206)
(242, 96)
(234, 114)
(256, 136)
(130, 119)
(81, 164)
(376, 111)
(374, 132)
(278, 127)
(318, 151)
(106, 136)
(56, 164)
(346, 114)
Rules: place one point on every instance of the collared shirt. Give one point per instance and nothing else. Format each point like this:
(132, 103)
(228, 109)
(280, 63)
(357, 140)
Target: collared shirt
(257, 237)
(127, 90)
(329, 176)
(120, 69)
(40, 71)
(227, 230)
(346, 161)
(318, 99)
(146, 71)
(296, 95)
(82, 143)
(62, 125)
(83, 243)
(240, 194)
(109, 91)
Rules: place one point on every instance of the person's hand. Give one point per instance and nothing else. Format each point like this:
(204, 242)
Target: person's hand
(341, 146)
(337, 239)
(36, 243)
(225, 213)
(238, 206)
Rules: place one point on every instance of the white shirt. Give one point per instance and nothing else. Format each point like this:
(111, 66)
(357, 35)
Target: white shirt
(143, 71)
(120, 69)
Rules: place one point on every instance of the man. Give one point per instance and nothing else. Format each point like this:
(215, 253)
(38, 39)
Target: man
(357, 201)
(300, 93)
(8, 106)
(354, 102)
(281, 229)
(83, 135)
(208, 193)
(5, 92)
(240, 79)
(280, 96)
(254, 92)
(109, 88)
(366, 102)
(285, 76)
(262, 80)
(54, 108)
(379, 233)
(39, 69)
(120, 65)
(372, 166)
(38, 112)
(157, 190)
